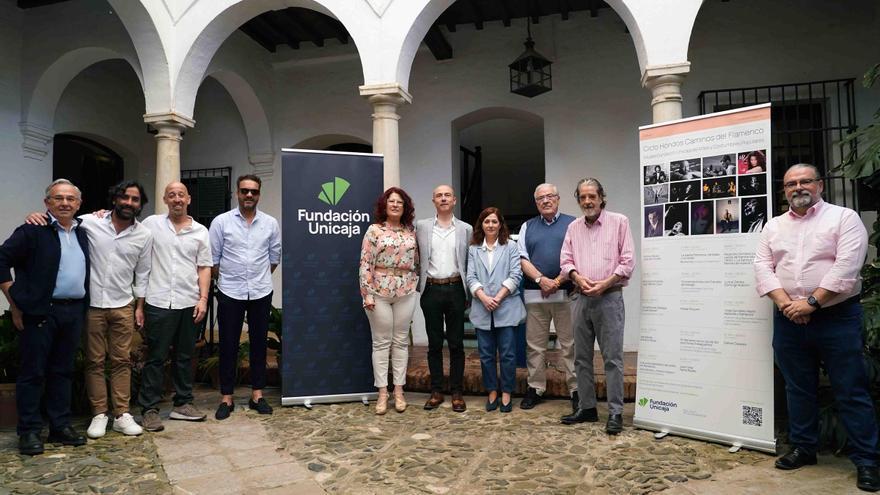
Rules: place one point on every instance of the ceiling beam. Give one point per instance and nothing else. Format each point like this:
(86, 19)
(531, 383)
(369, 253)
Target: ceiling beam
(338, 29)
(294, 20)
(533, 11)
(29, 4)
(594, 8)
(564, 8)
(438, 44)
(258, 36)
(478, 14)
(505, 13)
(264, 22)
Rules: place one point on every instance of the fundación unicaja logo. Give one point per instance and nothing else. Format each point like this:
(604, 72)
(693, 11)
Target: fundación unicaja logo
(643, 401)
(332, 192)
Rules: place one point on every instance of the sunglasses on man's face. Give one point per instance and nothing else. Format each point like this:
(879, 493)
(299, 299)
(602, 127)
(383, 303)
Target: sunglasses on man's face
(245, 191)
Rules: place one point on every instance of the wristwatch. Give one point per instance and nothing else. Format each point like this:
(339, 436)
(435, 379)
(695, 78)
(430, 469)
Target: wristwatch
(538, 280)
(812, 301)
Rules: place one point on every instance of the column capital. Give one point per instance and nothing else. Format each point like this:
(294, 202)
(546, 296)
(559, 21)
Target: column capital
(263, 163)
(35, 140)
(169, 118)
(652, 72)
(385, 93)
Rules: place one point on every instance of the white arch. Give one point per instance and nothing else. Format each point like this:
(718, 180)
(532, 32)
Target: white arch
(40, 110)
(206, 25)
(253, 115)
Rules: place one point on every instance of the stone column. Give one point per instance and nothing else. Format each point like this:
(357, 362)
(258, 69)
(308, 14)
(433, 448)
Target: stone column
(169, 127)
(386, 98)
(665, 81)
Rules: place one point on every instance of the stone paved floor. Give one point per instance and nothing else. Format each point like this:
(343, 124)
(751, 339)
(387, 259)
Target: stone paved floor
(345, 448)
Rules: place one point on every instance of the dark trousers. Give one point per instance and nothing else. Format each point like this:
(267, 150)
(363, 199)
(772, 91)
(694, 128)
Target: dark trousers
(500, 341)
(833, 336)
(230, 317)
(166, 328)
(445, 303)
(48, 345)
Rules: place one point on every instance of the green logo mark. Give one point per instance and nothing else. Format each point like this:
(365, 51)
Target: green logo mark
(643, 401)
(332, 192)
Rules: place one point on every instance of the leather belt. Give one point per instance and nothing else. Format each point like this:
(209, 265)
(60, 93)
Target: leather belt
(64, 302)
(397, 272)
(444, 281)
(616, 288)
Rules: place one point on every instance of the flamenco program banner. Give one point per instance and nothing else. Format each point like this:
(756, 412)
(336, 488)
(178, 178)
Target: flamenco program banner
(705, 356)
(326, 347)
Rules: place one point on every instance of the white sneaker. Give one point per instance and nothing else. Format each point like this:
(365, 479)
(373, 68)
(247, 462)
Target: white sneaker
(126, 425)
(98, 426)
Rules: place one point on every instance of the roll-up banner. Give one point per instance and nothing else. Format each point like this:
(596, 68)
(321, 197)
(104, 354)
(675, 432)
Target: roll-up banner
(328, 200)
(705, 356)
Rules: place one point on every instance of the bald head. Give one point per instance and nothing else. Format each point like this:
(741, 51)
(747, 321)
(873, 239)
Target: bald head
(444, 200)
(177, 199)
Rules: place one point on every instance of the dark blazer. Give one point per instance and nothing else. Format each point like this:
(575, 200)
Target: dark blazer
(35, 253)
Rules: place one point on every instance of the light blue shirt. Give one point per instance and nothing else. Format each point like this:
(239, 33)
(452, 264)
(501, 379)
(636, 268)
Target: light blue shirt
(245, 253)
(70, 282)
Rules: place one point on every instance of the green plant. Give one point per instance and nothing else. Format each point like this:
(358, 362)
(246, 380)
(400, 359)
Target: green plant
(276, 321)
(862, 161)
(9, 355)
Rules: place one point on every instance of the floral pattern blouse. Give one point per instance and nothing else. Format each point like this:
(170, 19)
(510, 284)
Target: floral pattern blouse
(389, 262)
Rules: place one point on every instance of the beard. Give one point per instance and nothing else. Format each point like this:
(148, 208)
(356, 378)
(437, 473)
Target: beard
(801, 200)
(126, 212)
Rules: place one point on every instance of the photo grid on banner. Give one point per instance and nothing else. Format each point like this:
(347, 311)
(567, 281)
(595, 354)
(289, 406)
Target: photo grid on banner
(705, 365)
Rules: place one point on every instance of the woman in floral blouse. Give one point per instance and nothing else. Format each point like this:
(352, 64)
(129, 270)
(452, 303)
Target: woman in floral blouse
(389, 274)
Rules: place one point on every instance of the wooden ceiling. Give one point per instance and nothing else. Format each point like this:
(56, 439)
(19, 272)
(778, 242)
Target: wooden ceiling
(294, 26)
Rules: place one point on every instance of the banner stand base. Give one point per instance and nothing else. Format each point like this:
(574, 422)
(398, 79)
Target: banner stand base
(309, 401)
(707, 436)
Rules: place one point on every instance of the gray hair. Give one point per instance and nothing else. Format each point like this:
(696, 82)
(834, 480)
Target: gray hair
(806, 165)
(546, 184)
(65, 182)
(590, 181)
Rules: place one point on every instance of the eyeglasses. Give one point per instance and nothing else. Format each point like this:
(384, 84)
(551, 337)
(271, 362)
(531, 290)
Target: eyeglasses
(245, 191)
(803, 182)
(547, 197)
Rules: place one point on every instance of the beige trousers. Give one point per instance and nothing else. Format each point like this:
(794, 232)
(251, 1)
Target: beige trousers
(538, 318)
(108, 334)
(389, 324)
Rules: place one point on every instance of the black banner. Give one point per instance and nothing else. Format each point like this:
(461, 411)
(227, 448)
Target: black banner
(328, 202)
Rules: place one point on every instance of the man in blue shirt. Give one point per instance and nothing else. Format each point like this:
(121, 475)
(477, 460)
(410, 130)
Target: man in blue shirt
(246, 249)
(48, 301)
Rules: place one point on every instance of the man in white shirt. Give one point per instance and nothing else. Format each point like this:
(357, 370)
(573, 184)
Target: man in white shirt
(246, 248)
(177, 301)
(119, 251)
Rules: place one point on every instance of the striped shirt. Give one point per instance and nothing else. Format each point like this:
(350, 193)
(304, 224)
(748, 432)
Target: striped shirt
(599, 250)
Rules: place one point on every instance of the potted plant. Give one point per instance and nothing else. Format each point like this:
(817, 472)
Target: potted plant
(9, 359)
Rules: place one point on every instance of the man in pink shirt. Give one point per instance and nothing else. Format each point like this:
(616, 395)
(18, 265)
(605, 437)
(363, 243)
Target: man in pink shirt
(597, 255)
(808, 263)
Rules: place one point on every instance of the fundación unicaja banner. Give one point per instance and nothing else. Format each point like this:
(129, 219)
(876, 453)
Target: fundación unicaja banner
(705, 350)
(328, 200)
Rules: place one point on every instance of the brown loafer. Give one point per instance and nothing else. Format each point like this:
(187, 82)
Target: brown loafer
(458, 404)
(434, 401)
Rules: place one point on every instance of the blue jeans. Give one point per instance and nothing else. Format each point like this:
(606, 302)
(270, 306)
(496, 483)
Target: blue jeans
(833, 336)
(502, 340)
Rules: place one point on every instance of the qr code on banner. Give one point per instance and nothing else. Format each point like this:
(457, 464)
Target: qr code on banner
(753, 416)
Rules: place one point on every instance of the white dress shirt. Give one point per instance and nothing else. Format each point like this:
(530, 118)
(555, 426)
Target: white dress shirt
(245, 253)
(442, 263)
(117, 261)
(174, 275)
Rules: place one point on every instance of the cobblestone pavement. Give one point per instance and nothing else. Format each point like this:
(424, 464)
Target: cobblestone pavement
(345, 448)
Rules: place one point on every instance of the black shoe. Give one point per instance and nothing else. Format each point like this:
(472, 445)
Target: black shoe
(30, 444)
(614, 424)
(581, 416)
(868, 478)
(67, 436)
(795, 459)
(224, 410)
(261, 406)
(575, 402)
(506, 408)
(492, 405)
(531, 399)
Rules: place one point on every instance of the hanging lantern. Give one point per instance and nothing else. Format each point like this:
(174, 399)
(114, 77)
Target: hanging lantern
(530, 72)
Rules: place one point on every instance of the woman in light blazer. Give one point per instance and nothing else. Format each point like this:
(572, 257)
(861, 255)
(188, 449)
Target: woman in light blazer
(493, 277)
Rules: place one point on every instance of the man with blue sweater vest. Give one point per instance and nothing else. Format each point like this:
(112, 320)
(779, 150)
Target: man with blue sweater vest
(546, 292)
(48, 301)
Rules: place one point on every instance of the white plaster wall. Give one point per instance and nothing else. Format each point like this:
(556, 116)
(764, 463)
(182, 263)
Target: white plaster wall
(105, 103)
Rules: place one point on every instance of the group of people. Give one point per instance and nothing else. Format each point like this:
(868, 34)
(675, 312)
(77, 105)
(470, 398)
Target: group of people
(444, 262)
(107, 274)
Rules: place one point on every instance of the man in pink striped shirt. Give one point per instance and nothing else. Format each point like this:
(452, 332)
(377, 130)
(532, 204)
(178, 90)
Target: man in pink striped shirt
(808, 263)
(597, 255)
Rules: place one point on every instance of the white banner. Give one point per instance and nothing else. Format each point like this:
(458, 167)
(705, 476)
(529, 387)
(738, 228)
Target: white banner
(705, 356)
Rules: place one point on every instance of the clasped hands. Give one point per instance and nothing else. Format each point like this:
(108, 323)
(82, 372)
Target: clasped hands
(590, 287)
(797, 311)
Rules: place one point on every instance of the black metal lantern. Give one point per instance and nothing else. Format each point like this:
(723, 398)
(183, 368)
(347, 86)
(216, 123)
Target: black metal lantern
(530, 72)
